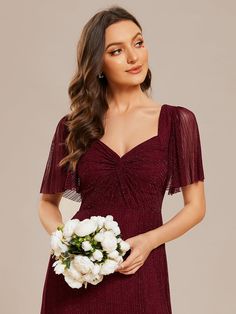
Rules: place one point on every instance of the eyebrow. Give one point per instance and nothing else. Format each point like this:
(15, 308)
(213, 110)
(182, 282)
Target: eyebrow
(118, 43)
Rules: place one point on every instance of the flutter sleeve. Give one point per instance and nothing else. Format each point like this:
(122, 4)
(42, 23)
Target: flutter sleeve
(185, 165)
(60, 179)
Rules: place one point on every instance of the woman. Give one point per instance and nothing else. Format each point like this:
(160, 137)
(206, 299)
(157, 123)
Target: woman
(118, 151)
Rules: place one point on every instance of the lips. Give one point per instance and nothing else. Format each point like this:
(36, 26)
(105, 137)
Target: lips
(134, 69)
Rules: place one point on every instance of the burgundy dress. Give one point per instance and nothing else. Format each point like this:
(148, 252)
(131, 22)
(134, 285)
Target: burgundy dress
(131, 188)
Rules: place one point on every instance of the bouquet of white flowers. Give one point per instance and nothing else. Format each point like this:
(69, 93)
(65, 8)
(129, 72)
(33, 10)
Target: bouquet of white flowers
(87, 250)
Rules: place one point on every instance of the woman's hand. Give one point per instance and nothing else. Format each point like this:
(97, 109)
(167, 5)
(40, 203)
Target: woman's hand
(140, 249)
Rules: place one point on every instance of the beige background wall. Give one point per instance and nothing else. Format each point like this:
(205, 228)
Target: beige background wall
(192, 57)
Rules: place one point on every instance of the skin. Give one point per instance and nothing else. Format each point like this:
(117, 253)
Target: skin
(129, 108)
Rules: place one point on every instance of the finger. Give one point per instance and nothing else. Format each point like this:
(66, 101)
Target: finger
(130, 268)
(133, 271)
(130, 260)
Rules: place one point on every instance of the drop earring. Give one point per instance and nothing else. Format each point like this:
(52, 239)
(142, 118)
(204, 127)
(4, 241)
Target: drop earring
(101, 75)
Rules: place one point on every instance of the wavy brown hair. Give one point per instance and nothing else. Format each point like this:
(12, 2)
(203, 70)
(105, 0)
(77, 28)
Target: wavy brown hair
(88, 92)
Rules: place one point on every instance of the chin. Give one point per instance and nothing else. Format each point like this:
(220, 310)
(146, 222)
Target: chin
(137, 80)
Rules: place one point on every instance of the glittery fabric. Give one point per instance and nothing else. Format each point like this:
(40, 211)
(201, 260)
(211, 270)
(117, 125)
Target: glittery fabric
(131, 188)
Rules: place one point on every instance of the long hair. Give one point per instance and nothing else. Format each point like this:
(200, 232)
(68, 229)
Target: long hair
(86, 90)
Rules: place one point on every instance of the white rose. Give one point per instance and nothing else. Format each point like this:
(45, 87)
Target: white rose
(96, 269)
(83, 264)
(109, 243)
(69, 227)
(92, 259)
(56, 238)
(97, 254)
(85, 227)
(74, 273)
(93, 279)
(99, 236)
(56, 243)
(119, 259)
(116, 230)
(99, 220)
(108, 267)
(72, 282)
(114, 254)
(109, 217)
(59, 268)
(112, 225)
(86, 245)
(102, 230)
(124, 246)
(109, 233)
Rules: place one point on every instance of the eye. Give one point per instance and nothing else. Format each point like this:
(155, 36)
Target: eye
(140, 42)
(112, 53)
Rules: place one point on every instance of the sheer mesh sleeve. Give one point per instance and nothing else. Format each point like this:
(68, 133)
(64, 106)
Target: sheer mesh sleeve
(59, 179)
(185, 163)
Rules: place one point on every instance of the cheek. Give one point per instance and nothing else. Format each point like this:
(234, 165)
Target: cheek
(115, 65)
(144, 53)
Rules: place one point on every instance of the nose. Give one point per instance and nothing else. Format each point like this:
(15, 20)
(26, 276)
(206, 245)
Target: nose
(131, 55)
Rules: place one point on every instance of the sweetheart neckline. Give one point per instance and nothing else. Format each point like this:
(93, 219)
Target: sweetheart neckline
(140, 144)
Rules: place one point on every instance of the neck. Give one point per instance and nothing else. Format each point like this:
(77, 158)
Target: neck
(126, 98)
